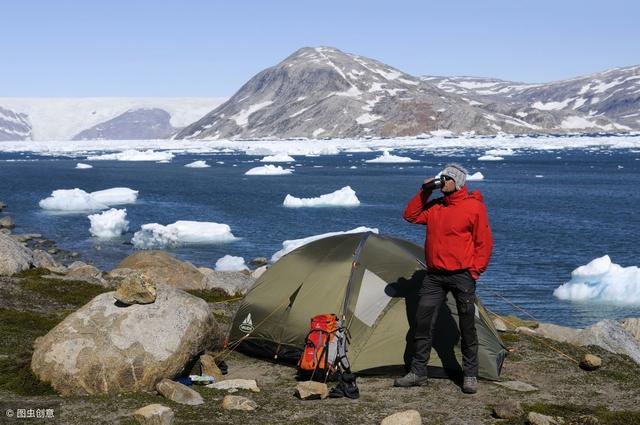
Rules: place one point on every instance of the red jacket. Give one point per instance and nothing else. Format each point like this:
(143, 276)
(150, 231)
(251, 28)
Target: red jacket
(458, 233)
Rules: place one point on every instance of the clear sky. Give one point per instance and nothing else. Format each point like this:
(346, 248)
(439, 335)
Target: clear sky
(210, 48)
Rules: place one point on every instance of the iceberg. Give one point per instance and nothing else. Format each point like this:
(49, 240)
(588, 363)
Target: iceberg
(81, 166)
(109, 224)
(490, 158)
(279, 157)
(477, 176)
(387, 158)
(154, 235)
(229, 263)
(197, 164)
(500, 152)
(133, 155)
(290, 245)
(79, 200)
(345, 197)
(268, 170)
(116, 196)
(602, 280)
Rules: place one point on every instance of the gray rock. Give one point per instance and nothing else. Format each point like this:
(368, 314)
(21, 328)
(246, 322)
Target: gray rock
(632, 325)
(76, 264)
(236, 402)
(311, 390)
(534, 418)
(2, 206)
(136, 288)
(499, 324)
(5, 231)
(14, 257)
(508, 409)
(154, 414)
(7, 223)
(178, 392)
(230, 282)
(43, 260)
(236, 384)
(517, 386)
(104, 348)
(259, 272)
(525, 330)
(162, 267)
(87, 273)
(259, 261)
(407, 417)
(25, 237)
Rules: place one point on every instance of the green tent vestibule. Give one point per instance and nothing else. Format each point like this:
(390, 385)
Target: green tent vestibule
(371, 281)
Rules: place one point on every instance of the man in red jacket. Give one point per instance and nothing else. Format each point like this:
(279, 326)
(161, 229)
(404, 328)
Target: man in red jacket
(457, 250)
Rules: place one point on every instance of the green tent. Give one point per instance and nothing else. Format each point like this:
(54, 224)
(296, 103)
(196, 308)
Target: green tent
(371, 281)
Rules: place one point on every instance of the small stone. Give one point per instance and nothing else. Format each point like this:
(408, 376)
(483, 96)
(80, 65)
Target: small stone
(26, 237)
(508, 409)
(53, 251)
(407, 417)
(2, 206)
(236, 402)
(259, 261)
(311, 390)
(525, 330)
(5, 231)
(258, 272)
(136, 288)
(7, 223)
(590, 362)
(517, 386)
(154, 414)
(74, 255)
(209, 367)
(534, 418)
(178, 392)
(237, 384)
(499, 324)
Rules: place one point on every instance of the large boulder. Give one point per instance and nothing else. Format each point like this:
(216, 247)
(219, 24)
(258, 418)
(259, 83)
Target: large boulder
(632, 325)
(164, 268)
(136, 288)
(84, 273)
(14, 257)
(106, 348)
(232, 283)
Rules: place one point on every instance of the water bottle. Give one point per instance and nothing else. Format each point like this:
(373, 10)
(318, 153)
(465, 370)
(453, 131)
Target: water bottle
(433, 184)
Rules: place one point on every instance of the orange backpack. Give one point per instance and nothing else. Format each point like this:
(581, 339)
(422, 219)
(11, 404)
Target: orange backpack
(325, 347)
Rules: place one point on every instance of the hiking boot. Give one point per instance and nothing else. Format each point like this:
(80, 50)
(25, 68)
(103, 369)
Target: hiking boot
(410, 380)
(470, 385)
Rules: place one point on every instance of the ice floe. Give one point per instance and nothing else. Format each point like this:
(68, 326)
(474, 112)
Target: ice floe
(79, 200)
(268, 170)
(109, 224)
(290, 245)
(279, 157)
(602, 280)
(154, 235)
(197, 164)
(81, 166)
(229, 263)
(133, 155)
(490, 158)
(477, 176)
(389, 158)
(345, 197)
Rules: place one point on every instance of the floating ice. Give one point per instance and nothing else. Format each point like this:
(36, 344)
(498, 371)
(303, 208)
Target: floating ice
(229, 263)
(602, 280)
(279, 157)
(477, 176)
(490, 158)
(345, 197)
(154, 235)
(268, 170)
(500, 152)
(81, 166)
(133, 155)
(388, 158)
(79, 200)
(197, 164)
(109, 224)
(290, 245)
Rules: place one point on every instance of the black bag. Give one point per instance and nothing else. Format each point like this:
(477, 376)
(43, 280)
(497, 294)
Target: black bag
(346, 387)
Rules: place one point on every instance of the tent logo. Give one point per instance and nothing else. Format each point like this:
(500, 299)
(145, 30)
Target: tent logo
(247, 324)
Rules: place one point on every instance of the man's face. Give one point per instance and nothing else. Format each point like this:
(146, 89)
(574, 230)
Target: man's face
(449, 185)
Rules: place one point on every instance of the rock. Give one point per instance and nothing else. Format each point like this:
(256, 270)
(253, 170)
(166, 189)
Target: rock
(76, 264)
(43, 260)
(259, 262)
(236, 402)
(74, 254)
(25, 237)
(258, 272)
(5, 231)
(209, 367)
(236, 384)
(525, 330)
(14, 257)
(584, 420)
(136, 288)
(7, 223)
(499, 324)
(508, 409)
(104, 348)
(632, 325)
(178, 392)
(154, 414)
(517, 386)
(161, 267)
(590, 362)
(408, 417)
(53, 251)
(311, 390)
(87, 273)
(534, 418)
(232, 283)
(2, 206)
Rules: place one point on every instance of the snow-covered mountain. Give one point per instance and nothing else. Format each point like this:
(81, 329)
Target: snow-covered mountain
(608, 100)
(323, 92)
(101, 117)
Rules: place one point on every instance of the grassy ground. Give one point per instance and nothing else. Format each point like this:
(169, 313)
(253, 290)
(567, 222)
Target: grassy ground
(31, 305)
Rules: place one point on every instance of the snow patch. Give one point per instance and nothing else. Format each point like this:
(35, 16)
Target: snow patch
(367, 118)
(345, 197)
(109, 224)
(552, 106)
(154, 235)
(242, 117)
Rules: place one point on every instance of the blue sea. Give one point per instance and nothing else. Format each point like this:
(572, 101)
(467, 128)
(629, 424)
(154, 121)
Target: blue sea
(550, 210)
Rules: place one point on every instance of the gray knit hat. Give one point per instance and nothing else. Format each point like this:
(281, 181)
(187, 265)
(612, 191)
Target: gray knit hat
(457, 172)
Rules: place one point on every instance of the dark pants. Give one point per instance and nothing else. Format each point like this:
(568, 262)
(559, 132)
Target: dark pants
(432, 294)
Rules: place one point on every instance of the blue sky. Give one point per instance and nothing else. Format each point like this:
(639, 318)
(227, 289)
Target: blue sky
(209, 48)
